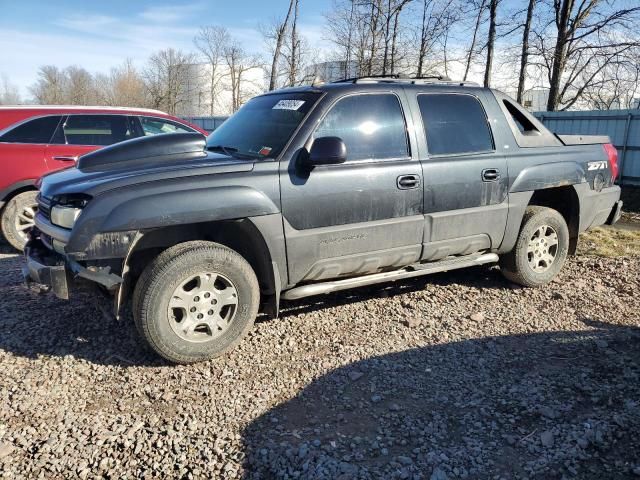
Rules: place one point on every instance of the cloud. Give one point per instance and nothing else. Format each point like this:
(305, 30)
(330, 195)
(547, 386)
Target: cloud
(99, 41)
(24, 52)
(170, 13)
(139, 35)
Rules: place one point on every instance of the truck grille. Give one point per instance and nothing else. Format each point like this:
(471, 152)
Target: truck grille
(44, 206)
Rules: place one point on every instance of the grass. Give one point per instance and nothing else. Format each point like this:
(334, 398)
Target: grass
(609, 242)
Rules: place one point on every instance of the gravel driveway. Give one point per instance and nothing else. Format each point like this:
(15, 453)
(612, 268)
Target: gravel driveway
(457, 375)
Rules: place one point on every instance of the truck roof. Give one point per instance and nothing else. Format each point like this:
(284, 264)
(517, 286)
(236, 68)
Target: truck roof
(382, 82)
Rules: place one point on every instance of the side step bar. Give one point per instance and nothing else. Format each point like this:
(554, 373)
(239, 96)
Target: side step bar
(408, 272)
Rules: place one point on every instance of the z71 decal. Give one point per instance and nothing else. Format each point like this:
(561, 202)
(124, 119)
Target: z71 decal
(597, 165)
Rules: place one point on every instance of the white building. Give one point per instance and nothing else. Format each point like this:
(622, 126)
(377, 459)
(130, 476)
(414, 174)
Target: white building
(197, 93)
(535, 99)
(330, 71)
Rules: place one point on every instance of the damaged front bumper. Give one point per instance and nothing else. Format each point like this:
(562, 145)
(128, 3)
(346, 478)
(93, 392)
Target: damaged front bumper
(58, 273)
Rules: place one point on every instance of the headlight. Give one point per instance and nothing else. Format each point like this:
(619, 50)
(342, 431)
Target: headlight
(65, 216)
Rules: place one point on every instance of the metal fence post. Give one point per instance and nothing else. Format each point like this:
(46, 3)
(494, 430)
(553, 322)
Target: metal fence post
(624, 146)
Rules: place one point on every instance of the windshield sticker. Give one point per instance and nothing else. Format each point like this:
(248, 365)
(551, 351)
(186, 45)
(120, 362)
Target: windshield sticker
(265, 151)
(288, 105)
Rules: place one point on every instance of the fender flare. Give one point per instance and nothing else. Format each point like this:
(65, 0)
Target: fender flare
(133, 210)
(262, 245)
(549, 175)
(194, 206)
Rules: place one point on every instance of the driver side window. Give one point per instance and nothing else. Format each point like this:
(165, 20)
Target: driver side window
(372, 126)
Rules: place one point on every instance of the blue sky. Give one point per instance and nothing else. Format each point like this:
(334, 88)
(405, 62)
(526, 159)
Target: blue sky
(100, 34)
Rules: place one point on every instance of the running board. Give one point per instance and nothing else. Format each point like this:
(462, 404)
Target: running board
(408, 272)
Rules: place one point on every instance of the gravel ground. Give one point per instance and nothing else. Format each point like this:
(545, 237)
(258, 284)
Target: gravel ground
(457, 375)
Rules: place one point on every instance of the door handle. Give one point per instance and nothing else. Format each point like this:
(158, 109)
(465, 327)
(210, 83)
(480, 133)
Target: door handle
(65, 158)
(490, 174)
(407, 182)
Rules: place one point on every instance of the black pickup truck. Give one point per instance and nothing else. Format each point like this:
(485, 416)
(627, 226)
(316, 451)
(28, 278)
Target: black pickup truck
(311, 190)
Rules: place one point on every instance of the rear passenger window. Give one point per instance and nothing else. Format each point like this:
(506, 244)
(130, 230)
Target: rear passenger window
(525, 125)
(454, 124)
(371, 126)
(39, 130)
(96, 130)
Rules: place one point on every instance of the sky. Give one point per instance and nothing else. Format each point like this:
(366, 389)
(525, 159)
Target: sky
(98, 35)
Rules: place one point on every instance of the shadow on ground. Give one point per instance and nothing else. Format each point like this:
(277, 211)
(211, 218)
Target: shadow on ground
(6, 249)
(485, 277)
(556, 405)
(33, 324)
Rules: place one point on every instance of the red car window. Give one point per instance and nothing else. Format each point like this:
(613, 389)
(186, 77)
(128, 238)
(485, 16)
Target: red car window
(95, 130)
(38, 130)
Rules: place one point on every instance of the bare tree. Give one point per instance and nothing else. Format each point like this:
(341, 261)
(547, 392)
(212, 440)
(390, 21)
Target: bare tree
(474, 38)
(169, 79)
(79, 87)
(583, 35)
(211, 41)
(9, 93)
(294, 42)
(437, 19)
(375, 32)
(238, 63)
(347, 61)
(390, 13)
(369, 34)
(616, 86)
(491, 40)
(49, 88)
(122, 87)
(524, 53)
(274, 35)
(348, 29)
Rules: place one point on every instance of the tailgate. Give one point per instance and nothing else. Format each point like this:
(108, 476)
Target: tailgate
(583, 139)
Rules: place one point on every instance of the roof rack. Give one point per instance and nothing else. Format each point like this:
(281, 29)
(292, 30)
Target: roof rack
(398, 78)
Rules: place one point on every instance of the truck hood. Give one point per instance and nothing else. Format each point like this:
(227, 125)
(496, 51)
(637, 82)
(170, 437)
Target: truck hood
(163, 157)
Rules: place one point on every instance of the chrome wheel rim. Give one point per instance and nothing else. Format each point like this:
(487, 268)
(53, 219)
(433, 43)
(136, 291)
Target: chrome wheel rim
(25, 219)
(203, 307)
(542, 249)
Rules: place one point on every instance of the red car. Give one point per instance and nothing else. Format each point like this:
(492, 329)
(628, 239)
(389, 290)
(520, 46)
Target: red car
(35, 140)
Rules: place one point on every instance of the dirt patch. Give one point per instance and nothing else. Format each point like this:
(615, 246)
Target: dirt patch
(610, 242)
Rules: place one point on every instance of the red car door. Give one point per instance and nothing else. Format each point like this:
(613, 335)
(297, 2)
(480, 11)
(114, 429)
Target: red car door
(22, 150)
(63, 156)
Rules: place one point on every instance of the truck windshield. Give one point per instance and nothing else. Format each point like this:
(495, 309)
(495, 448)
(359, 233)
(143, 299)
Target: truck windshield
(262, 127)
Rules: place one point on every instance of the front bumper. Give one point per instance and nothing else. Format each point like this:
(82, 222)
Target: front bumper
(58, 273)
(47, 269)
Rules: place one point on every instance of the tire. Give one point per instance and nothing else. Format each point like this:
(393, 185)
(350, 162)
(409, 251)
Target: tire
(535, 260)
(204, 277)
(17, 218)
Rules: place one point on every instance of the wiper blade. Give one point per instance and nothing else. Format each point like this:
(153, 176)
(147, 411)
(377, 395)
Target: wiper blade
(230, 151)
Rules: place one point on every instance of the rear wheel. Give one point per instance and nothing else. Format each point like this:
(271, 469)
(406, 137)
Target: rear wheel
(18, 217)
(195, 301)
(541, 248)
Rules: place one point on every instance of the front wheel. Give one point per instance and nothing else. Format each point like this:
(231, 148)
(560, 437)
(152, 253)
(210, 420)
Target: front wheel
(195, 301)
(18, 217)
(541, 248)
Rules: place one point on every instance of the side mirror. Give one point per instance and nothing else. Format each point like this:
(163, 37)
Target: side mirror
(327, 151)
